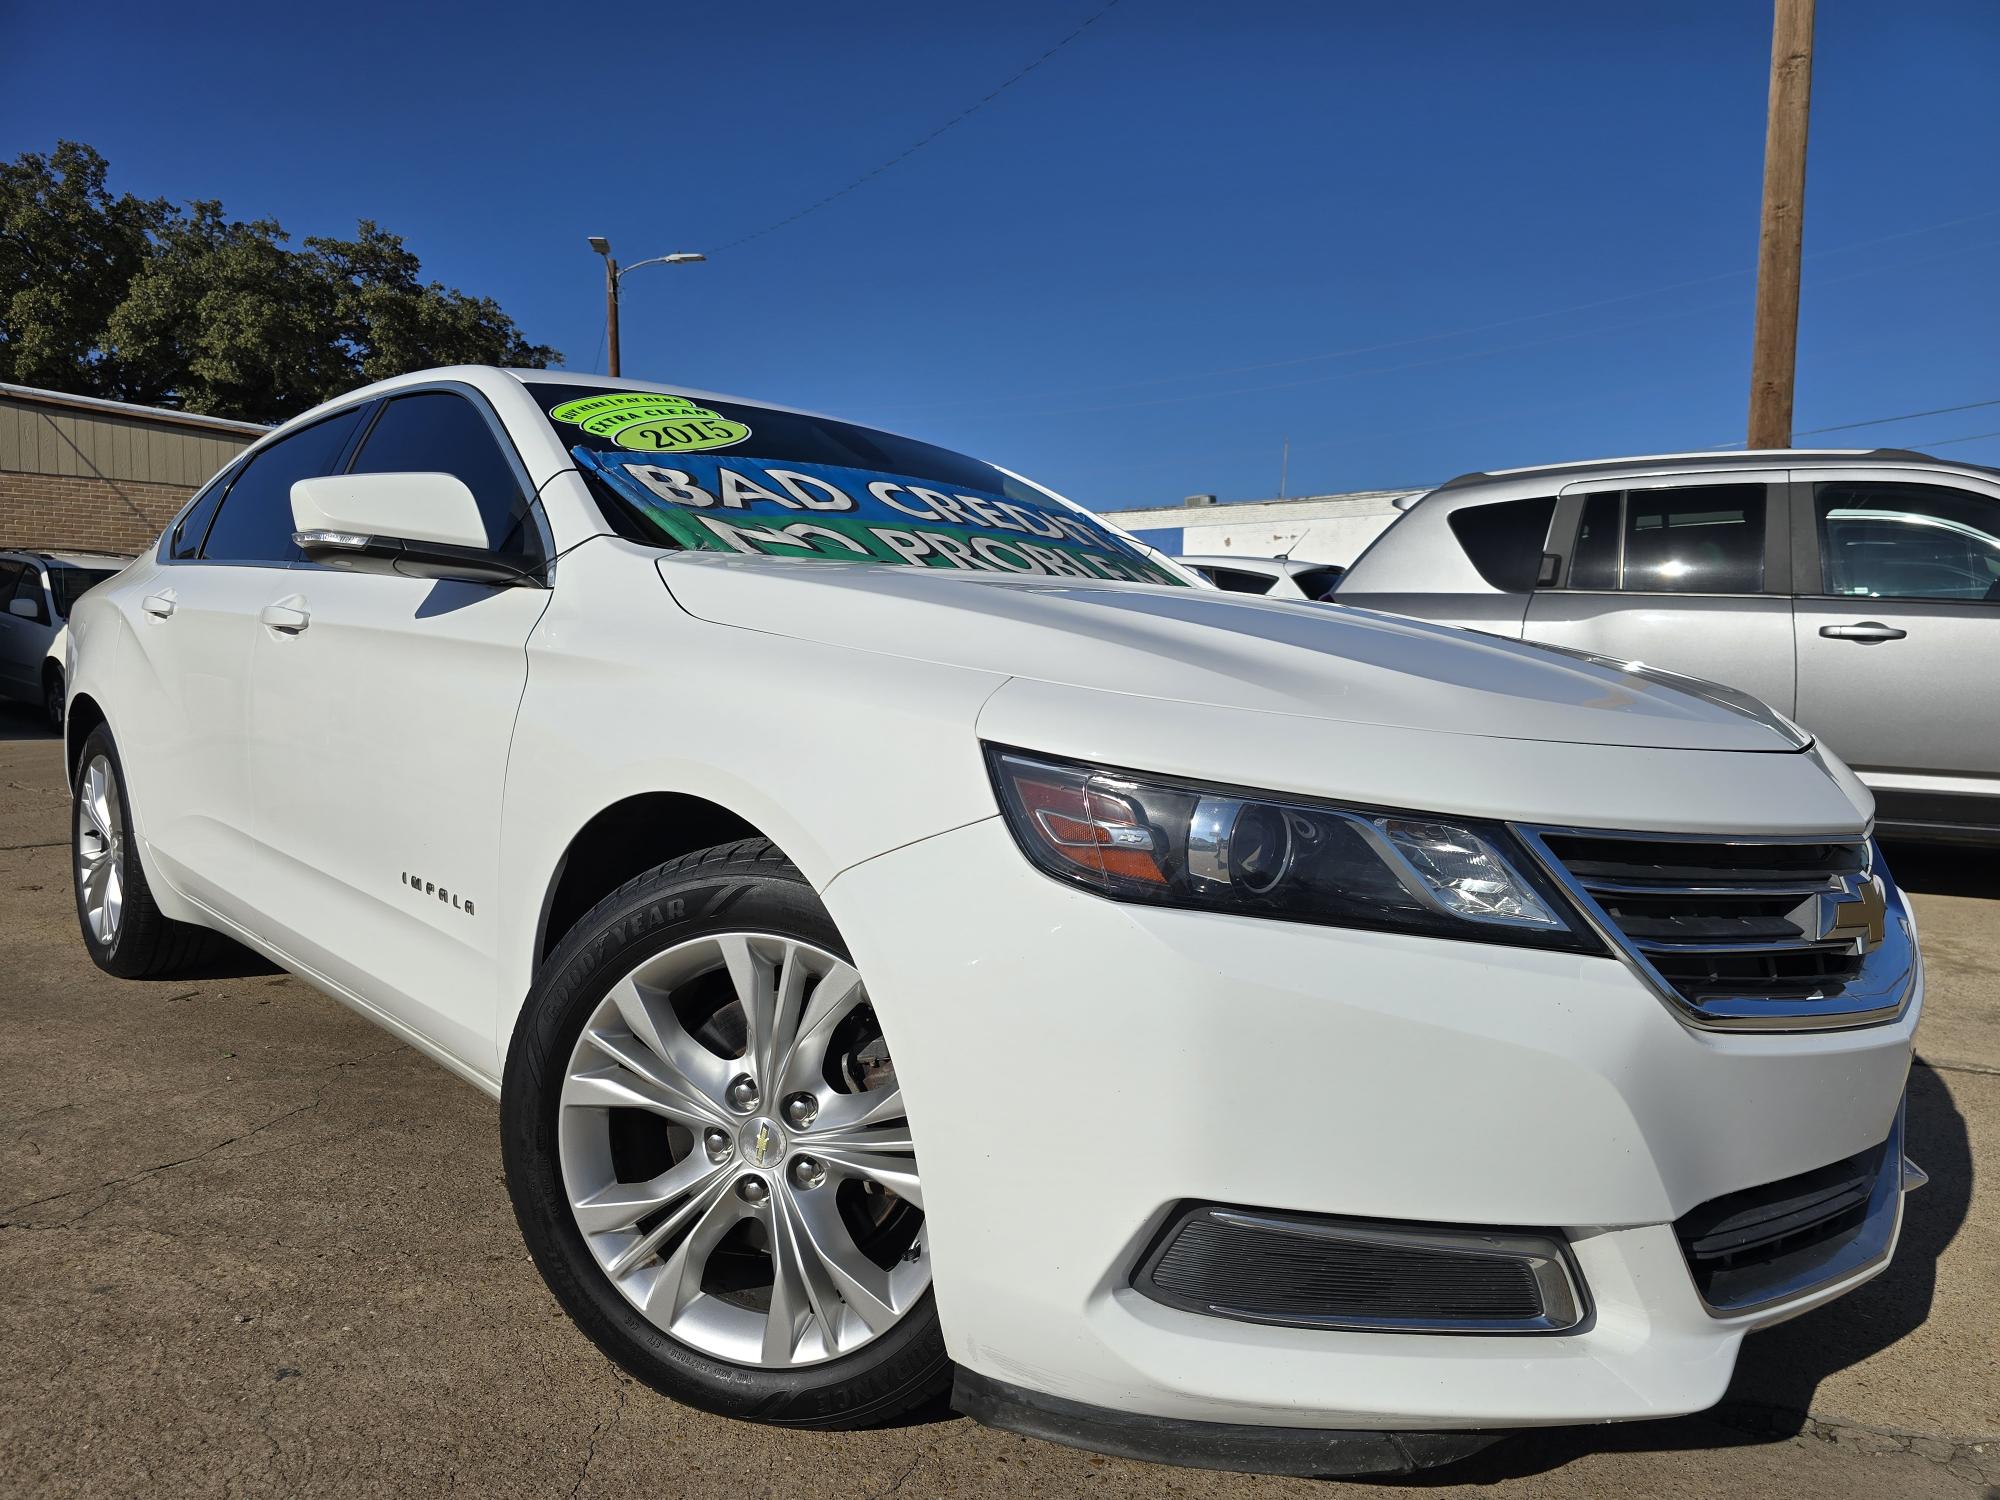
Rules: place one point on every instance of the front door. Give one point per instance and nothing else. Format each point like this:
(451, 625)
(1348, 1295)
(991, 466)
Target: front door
(1687, 573)
(1899, 633)
(384, 713)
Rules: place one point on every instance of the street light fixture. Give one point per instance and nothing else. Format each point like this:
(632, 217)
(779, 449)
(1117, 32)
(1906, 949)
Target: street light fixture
(613, 274)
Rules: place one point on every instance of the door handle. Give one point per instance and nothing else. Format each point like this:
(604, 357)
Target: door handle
(158, 605)
(1868, 631)
(286, 618)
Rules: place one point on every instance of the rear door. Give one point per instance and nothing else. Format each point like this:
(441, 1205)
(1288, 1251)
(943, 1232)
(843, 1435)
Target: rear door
(384, 713)
(1690, 573)
(1898, 623)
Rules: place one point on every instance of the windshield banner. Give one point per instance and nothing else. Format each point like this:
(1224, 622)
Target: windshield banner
(716, 504)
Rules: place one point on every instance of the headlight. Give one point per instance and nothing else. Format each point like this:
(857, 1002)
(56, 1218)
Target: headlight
(1174, 843)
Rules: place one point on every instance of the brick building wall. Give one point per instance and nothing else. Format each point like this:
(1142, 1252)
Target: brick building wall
(101, 476)
(51, 512)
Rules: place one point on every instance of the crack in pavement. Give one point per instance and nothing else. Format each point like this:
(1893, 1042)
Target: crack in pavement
(603, 1426)
(110, 1187)
(1973, 1459)
(1948, 1066)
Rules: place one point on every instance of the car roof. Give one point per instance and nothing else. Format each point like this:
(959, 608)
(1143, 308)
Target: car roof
(1719, 459)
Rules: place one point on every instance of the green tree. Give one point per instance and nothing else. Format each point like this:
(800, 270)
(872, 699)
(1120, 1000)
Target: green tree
(68, 250)
(142, 301)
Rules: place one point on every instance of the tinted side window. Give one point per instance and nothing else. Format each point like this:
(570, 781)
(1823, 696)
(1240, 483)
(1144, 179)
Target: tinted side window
(255, 522)
(1319, 583)
(10, 574)
(436, 432)
(29, 586)
(193, 526)
(1907, 541)
(1238, 582)
(1505, 541)
(1705, 539)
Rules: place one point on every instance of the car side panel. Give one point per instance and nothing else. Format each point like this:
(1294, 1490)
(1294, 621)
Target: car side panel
(835, 755)
(1741, 640)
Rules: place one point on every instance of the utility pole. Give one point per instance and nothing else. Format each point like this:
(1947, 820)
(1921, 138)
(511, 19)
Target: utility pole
(603, 247)
(1774, 344)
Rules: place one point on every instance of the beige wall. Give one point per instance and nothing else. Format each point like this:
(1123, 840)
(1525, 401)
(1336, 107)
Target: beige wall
(99, 479)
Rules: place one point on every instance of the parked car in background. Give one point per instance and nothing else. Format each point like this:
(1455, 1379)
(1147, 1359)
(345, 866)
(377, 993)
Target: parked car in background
(37, 591)
(1856, 591)
(1274, 577)
(919, 940)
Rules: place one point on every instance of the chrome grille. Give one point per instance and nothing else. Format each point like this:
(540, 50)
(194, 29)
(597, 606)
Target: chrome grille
(1795, 934)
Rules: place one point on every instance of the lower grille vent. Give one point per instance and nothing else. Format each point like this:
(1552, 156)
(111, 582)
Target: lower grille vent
(1314, 1272)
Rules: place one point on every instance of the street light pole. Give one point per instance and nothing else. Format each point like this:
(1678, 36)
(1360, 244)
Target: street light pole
(613, 273)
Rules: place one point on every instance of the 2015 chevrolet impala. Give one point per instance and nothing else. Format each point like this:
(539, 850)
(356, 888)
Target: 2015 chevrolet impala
(911, 928)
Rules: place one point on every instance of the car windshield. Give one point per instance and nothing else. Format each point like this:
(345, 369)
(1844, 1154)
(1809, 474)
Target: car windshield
(715, 476)
(69, 584)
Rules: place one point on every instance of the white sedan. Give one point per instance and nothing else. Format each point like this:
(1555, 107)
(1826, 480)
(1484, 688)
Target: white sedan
(916, 940)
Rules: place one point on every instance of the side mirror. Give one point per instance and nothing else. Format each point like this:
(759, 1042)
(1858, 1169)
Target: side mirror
(25, 608)
(416, 525)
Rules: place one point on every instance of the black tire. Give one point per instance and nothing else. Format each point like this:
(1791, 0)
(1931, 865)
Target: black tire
(748, 884)
(147, 944)
(54, 696)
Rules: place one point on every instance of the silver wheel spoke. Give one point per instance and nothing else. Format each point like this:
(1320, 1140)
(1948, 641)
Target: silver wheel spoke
(615, 1086)
(679, 1282)
(842, 1113)
(620, 1205)
(801, 1288)
(650, 1075)
(862, 1285)
(654, 1023)
(838, 992)
(896, 1173)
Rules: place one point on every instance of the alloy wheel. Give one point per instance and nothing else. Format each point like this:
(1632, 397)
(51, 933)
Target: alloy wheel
(100, 850)
(736, 1154)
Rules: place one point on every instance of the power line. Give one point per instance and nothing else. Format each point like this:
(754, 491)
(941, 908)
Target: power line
(1947, 442)
(918, 145)
(1534, 317)
(1936, 411)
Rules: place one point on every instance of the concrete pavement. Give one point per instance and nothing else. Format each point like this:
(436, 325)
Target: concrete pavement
(250, 1245)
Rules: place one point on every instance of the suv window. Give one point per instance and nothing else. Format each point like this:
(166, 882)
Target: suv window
(255, 522)
(71, 584)
(1704, 539)
(1505, 542)
(437, 432)
(1235, 580)
(1907, 541)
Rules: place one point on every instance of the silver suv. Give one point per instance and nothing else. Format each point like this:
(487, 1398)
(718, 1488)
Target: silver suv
(36, 592)
(1857, 591)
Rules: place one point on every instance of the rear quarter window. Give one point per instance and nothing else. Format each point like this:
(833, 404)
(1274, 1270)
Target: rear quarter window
(1505, 541)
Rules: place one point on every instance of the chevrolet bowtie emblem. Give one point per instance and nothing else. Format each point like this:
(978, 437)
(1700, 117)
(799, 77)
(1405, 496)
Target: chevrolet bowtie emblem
(1854, 908)
(761, 1147)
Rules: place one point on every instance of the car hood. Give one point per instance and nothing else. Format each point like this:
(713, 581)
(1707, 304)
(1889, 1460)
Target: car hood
(1225, 650)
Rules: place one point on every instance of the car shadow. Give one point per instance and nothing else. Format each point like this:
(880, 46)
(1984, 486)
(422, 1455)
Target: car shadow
(1780, 1369)
(23, 721)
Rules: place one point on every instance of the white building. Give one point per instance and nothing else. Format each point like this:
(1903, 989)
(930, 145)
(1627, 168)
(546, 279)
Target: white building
(1312, 528)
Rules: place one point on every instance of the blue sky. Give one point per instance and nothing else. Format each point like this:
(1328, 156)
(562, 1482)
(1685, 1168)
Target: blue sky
(1414, 239)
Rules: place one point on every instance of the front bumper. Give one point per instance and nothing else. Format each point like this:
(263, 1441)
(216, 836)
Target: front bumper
(1075, 1068)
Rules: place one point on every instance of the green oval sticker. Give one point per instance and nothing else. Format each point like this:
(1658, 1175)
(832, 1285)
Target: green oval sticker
(648, 422)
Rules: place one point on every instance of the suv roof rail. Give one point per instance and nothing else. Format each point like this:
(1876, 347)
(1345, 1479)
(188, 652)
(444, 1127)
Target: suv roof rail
(1711, 456)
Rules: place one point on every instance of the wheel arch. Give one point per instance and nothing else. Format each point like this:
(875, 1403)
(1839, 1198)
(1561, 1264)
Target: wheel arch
(626, 839)
(83, 717)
